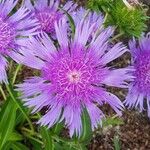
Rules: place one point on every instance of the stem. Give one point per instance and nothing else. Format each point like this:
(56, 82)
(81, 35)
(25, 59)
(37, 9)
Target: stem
(37, 140)
(117, 36)
(105, 18)
(30, 132)
(16, 72)
(19, 106)
(10, 66)
(2, 92)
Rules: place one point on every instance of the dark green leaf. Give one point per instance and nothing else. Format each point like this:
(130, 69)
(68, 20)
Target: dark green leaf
(36, 145)
(20, 119)
(7, 146)
(14, 136)
(58, 128)
(20, 106)
(18, 146)
(47, 139)
(86, 125)
(7, 122)
(57, 146)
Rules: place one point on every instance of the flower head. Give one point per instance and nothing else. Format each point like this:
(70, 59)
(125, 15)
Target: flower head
(140, 88)
(11, 29)
(48, 13)
(73, 75)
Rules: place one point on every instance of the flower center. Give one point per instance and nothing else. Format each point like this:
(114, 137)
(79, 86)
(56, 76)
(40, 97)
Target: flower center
(143, 72)
(74, 76)
(7, 34)
(47, 20)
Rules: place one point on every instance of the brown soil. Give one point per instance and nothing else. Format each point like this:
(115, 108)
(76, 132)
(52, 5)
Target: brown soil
(134, 134)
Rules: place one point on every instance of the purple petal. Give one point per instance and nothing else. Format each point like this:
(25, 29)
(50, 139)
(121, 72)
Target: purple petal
(3, 65)
(115, 52)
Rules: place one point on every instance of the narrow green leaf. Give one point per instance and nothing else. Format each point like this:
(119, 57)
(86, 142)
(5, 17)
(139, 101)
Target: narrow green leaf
(13, 95)
(20, 118)
(58, 146)
(58, 128)
(71, 21)
(69, 147)
(86, 125)
(14, 136)
(36, 145)
(47, 139)
(7, 146)
(7, 122)
(116, 143)
(18, 146)
(82, 147)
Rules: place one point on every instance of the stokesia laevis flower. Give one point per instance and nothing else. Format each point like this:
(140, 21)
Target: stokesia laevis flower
(139, 89)
(73, 75)
(48, 12)
(12, 29)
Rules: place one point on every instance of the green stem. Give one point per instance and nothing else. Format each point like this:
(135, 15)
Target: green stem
(2, 92)
(117, 36)
(10, 67)
(105, 18)
(33, 138)
(16, 72)
(19, 106)
(30, 132)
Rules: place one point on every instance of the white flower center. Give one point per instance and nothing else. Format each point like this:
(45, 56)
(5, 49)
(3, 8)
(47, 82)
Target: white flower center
(74, 76)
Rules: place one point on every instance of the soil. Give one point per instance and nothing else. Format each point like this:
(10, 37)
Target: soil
(134, 134)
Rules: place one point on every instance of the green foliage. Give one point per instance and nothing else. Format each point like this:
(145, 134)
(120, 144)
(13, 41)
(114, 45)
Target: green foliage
(7, 122)
(47, 139)
(15, 133)
(116, 143)
(113, 121)
(98, 5)
(130, 22)
(87, 130)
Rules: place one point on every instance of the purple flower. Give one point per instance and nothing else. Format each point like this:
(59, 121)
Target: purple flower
(94, 17)
(12, 28)
(139, 89)
(73, 75)
(48, 13)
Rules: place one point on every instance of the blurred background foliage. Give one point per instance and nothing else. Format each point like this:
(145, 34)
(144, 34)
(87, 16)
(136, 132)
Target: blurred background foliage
(129, 21)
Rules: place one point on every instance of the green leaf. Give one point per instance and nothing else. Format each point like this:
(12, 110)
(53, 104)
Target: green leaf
(71, 21)
(20, 119)
(13, 95)
(114, 121)
(57, 146)
(14, 136)
(58, 128)
(47, 139)
(7, 122)
(86, 126)
(116, 143)
(18, 146)
(36, 145)
(69, 147)
(82, 147)
(7, 146)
